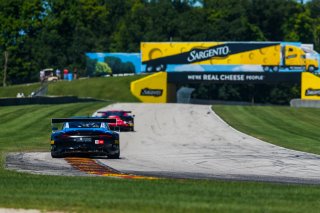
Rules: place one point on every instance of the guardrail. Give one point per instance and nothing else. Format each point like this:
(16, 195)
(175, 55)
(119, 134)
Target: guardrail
(305, 103)
(44, 100)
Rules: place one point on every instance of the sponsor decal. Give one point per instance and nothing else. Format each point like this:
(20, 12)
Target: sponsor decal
(234, 77)
(312, 92)
(201, 55)
(225, 77)
(151, 92)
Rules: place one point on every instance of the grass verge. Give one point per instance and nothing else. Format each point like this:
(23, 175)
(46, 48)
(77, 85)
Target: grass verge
(27, 127)
(12, 91)
(293, 128)
(112, 88)
(98, 194)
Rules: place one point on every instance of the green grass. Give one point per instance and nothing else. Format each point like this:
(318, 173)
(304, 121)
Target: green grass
(28, 128)
(112, 88)
(11, 91)
(115, 88)
(98, 194)
(294, 128)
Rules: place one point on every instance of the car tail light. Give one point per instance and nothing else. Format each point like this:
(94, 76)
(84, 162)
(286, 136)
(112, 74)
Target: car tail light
(100, 142)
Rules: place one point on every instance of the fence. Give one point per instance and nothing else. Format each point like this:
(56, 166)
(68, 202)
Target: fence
(43, 100)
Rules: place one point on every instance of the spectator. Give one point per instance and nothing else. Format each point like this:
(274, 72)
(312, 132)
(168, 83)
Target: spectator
(42, 76)
(58, 73)
(75, 72)
(65, 74)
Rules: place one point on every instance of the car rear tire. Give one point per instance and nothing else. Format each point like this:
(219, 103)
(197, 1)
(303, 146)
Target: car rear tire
(114, 156)
(56, 155)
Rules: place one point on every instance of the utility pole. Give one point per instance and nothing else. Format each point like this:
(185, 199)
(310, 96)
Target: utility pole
(6, 56)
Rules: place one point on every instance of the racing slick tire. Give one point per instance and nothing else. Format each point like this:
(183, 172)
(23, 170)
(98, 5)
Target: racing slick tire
(55, 154)
(114, 156)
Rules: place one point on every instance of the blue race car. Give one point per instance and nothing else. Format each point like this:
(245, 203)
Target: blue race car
(89, 136)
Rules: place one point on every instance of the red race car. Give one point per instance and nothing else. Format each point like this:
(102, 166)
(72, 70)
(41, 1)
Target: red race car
(124, 119)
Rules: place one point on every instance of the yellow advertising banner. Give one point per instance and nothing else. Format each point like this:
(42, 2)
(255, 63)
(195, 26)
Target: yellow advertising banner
(310, 86)
(151, 89)
(243, 53)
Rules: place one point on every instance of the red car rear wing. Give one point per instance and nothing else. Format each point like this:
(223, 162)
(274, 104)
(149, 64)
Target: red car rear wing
(111, 110)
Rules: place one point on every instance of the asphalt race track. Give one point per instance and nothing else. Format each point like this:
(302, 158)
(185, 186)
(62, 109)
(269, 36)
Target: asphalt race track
(188, 141)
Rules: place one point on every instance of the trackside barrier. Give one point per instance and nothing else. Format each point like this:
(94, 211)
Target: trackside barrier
(305, 103)
(43, 100)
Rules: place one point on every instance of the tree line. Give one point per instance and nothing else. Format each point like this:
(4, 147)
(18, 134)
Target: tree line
(37, 34)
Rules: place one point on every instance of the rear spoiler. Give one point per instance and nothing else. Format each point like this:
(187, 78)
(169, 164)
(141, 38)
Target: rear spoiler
(107, 110)
(62, 120)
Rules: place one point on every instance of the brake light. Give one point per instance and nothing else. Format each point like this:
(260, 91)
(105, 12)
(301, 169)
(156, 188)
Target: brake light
(100, 142)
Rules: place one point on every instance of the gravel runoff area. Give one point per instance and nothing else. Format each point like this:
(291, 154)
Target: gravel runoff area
(188, 141)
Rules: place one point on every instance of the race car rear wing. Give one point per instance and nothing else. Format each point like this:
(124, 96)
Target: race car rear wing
(107, 111)
(63, 120)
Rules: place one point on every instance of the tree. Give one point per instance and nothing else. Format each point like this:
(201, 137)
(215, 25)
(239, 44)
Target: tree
(229, 21)
(91, 66)
(191, 26)
(114, 63)
(127, 67)
(102, 69)
(300, 26)
(19, 21)
(270, 16)
(5, 68)
(314, 7)
(70, 29)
